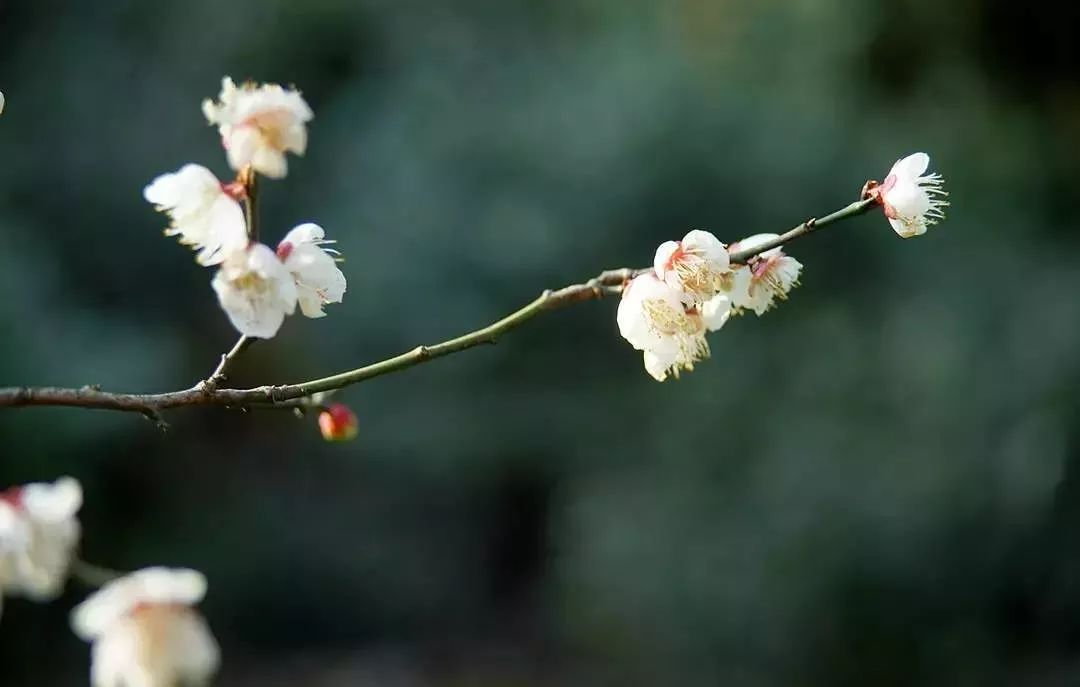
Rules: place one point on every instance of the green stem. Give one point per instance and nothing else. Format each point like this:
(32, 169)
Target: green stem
(91, 575)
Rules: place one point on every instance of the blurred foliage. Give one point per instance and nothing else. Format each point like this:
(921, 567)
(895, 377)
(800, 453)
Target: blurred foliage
(876, 484)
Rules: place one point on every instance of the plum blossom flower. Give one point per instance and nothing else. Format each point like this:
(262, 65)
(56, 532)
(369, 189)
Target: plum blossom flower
(698, 265)
(1, 103)
(259, 124)
(204, 212)
(146, 632)
(255, 290)
(912, 200)
(314, 269)
(338, 423)
(654, 318)
(759, 285)
(38, 537)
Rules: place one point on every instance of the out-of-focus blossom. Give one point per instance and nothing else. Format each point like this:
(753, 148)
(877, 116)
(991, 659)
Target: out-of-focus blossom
(653, 317)
(912, 200)
(204, 212)
(318, 279)
(338, 423)
(698, 265)
(769, 278)
(39, 533)
(146, 632)
(255, 290)
(259, 124)
(1, 103)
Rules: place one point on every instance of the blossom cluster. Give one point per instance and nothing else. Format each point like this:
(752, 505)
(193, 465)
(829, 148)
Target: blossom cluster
(256, 286)
(693, 287)
(143, 626)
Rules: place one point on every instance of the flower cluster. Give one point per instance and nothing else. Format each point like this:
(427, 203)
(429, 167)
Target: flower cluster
(693, 287)
(256, 286)
(143, 626)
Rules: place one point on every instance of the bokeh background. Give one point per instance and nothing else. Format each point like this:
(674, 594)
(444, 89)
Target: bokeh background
(878, 483)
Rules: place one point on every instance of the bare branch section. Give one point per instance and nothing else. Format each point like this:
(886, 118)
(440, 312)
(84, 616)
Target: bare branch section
(607, 283)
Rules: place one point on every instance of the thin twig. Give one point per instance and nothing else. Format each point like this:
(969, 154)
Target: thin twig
(607, 283)
(91, 575)
(220, 373)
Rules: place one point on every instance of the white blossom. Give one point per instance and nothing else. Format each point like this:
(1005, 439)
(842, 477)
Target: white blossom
(313, 267)
(146, 632)
(654, 319)
(203, 215)
(1, 103)
(759, 285)
(259, 124)
(255, 290)
(698, 265)
(912, 200)
(39, 533)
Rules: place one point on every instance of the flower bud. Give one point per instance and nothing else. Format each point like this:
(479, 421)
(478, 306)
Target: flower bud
(338, 423)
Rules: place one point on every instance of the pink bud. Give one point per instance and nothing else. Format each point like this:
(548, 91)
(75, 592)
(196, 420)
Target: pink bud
(338, 423)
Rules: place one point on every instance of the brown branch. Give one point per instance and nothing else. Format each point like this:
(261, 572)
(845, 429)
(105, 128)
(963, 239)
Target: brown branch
(607, 283)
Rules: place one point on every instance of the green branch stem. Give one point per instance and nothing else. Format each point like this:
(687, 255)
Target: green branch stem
(299, 395)
(90, 575)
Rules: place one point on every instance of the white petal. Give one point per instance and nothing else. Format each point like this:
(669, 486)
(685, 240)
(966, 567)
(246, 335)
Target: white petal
(716, 311)
(318, 279)
(269, 162)
(662, 258)
(657, 364)
(309, 232)
(910, 167)
(706, 245)
(53, 502)
(157, 585)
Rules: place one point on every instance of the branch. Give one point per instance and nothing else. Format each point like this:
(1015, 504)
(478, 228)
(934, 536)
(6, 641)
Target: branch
(607, 283)
(220, 373)
(90, 575)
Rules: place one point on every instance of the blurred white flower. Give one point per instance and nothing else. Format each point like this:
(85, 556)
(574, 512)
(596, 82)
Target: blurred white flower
(1, 103)
(204, 215)
(698, 265)
(145, 631)
(259, 124)
(255, 290)
(318, 279)
(757, 286)
(912, 200)
(38, 537)
(654, 319)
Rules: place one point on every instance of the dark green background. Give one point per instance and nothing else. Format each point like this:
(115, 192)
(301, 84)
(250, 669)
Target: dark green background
(875, 484)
